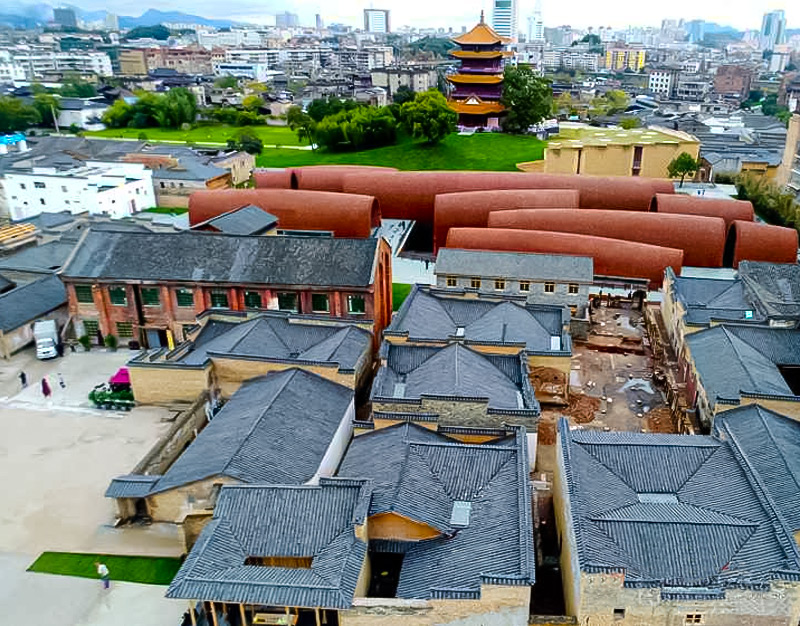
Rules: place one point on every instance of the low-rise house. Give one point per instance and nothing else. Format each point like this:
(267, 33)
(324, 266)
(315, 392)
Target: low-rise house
(85, 113)
(175, 179)
(26, 297)
(225, 350)
(149, 287)
(539, 278)
(238, 163)
(696, 537)
(433, 317)
(246, 220)
(285, 428)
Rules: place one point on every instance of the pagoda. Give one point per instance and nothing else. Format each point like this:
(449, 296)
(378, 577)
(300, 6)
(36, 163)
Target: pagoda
(479, 84)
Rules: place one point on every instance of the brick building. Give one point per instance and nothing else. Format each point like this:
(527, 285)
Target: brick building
(733, 81)
(150, 287)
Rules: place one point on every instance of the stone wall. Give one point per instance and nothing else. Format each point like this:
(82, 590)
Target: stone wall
(167, 385)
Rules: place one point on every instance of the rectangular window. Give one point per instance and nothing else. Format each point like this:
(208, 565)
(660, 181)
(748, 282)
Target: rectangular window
(22, 186)
(38, 185)
(41, 201)
(64, 188)
(693, 618)
(287, 301)
(524, 285)
(124, 329)
(118, 296)
(549, 287)
(572, 288)
(252, 300)
(184, 297)
(151, 296)
(452, 281)
(84, 293)
(356, 305)
(319, 303)
(619, 614)
(90, 327)
(500, 285)
(475, 283)
(219, 299)
(637, 160)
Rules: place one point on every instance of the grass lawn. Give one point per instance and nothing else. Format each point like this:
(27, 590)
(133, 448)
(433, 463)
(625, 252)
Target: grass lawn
(134, 569)
(400, 292)
(270, 135)
(481, 151)
(167, 210)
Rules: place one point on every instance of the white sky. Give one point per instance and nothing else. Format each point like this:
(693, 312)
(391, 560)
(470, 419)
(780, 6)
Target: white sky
(741, 14)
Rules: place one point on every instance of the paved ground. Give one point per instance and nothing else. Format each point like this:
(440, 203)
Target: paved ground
(57, 457)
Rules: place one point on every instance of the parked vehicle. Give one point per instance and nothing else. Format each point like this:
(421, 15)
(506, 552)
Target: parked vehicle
(46, 334)
(116, 394)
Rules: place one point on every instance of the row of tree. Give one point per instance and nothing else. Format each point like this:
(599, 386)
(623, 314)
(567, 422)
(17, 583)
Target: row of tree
(174, 109)
(770, 202)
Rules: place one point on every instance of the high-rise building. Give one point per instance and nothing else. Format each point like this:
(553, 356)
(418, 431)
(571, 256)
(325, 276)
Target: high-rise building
(318, 23)
(65, 18)
(376, 21)
(505, 15)
(773, 30)
(536, 24)
(112, 21)
(287, 20)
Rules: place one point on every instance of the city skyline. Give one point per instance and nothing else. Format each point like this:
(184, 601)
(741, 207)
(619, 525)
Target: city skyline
(739, 14)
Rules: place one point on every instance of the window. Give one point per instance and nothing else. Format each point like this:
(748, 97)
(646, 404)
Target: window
(637, 161)
(22, 186)
(219, 299)
(64, 188)
(38, 185)
(619, 614)
(150, 296)
(572, 288)
(163, 186)
(90, 328)
(452, 281)
(84, 293)
(41, 201)
(524, 285)
(124, 329)
(184, 297)
(500, 285)
(549, 287)
(118, 296)
(287, 301)
(319, 303)
(693, 618)
(252, 300)
(356, 305)
(475, 283)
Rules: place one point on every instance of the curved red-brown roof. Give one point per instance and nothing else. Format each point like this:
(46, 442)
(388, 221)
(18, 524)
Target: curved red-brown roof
(729, 210)
(329, 177)
(411, 195)
(273, 178)
(751, 241)
(612, 257)
(702, 239)
(345, 215)
(472, 208)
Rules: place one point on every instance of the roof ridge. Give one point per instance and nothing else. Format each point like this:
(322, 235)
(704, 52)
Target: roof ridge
(771, 435)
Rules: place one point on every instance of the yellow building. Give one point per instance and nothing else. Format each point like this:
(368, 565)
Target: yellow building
(615, 152)
(132, 63)
(621, 59)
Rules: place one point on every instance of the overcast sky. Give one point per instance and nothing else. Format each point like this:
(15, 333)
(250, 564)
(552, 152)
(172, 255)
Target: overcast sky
(742, 14)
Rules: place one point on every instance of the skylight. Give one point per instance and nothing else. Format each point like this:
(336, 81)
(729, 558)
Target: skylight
(658, 498)
(460, 515)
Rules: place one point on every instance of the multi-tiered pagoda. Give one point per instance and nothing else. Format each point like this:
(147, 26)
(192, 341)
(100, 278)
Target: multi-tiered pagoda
(479, 84)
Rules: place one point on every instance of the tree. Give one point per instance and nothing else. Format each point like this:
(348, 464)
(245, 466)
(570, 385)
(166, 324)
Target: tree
(247, 141)
(323, 107)
(402, 95)
(76, 87)
(46, 105)
(772, 204)
(301, 123)
(428, 115)
(562, 104)
(159, 31)
(627, 123)
(252, 103)
(226, 82)
(177, 107)
(526, 96)
(682, 165)
(118, 115)
(357, 129)
(16, 115)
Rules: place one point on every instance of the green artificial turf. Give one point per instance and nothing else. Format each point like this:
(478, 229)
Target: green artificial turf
(481, 151)
(213, 133)
(134, 569)
(400, 292)
(167, 210)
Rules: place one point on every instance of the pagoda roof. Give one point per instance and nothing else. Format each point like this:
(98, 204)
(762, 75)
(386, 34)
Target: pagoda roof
(481, 34)
(476, 79)
(475, 106)
(483, 54)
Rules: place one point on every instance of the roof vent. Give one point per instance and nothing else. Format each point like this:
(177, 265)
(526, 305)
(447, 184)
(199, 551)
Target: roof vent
(657, 498)
(399, 390)
(459, 518)
(459, 331)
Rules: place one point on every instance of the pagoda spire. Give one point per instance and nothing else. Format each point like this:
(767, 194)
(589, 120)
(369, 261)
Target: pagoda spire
(482, 16)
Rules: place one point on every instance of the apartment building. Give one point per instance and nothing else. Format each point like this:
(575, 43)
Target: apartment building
(37, 65)
(629, 58)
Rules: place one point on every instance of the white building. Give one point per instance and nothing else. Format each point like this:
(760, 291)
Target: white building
(662, 82)
(36, 65)
(268, 57)
(10, 70)
(377, 21)
(84, 113)
(116, 189)
(505, 16)
(234, 38)
(259, 72)
(536, 24)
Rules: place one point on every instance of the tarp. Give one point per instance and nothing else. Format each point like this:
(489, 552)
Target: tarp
(122, 377)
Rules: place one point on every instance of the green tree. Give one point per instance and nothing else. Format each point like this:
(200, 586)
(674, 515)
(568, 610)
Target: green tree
(772, 204)
(323, 107)
(630, 122)
(224, 115)
(562, 104)
(247, 141)
(46, 105)
(75, 87)
(159, 31)
(357, 129)
(527, 97)
(226, 82)
(402, 95)
(429, 116)
(682, 165)
(118, 115)
(248, 118)
(177, 107)
(302, 124)
(252, 103)
(16, 115)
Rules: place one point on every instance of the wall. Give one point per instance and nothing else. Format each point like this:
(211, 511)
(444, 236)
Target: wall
(174, 505)
(455, 413)
(162, 385)
(498, 605)
(231, 373)
(337, 447)
(396, 526)
(15, 340)
(535, 294)
(790, 151)
(570, 568)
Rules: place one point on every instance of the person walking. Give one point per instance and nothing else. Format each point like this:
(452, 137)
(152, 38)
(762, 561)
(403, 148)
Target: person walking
(46, 391)
(104, 574)
(61, 382)
(23, 379)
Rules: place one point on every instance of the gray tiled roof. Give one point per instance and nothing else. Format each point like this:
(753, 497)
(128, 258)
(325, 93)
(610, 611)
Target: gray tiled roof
(131, 486)
(412, 372)
(774, 287)
(189, 168)
(672, 511)
(275, 429)
(209, 257)
(247, 220)
(420, 475)
(771, 444)
(430, 315)
(264, 521)
(48, 256)
(705, 299)
(515, 265)
(31, 301)
(274, 336)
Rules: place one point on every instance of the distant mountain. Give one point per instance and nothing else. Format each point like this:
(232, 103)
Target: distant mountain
(151, 17)
(25, 16)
